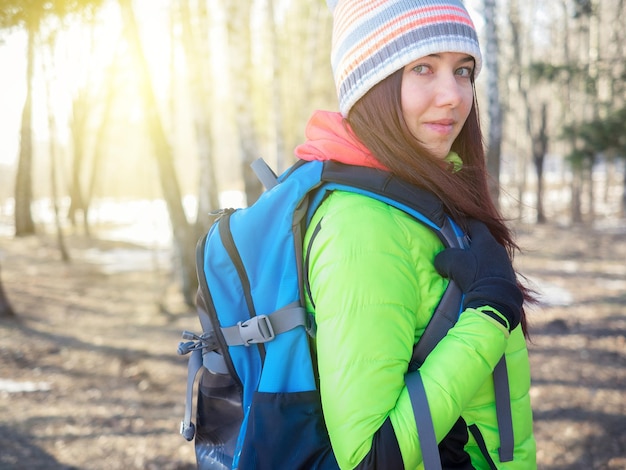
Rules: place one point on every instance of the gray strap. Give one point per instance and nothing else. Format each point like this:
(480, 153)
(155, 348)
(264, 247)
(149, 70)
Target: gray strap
(187, 429)
(503, 410)
(447, 311)
(265, 174)
(444, 318)
(423, 421)
(264, 328)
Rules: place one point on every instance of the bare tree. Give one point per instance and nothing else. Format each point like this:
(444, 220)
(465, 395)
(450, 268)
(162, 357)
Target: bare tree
(29, 15)
(65, 256)
(306, 84)
(240, 60)
(197, 50)
(5, 307)
(276, 93)
(99, 144)
(81, 106)
(540, 149)
(538, 134)
(494, 146)
(24, 224)
(183, 234)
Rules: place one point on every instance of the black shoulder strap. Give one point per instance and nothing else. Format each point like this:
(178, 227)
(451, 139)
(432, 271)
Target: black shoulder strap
(389, 186)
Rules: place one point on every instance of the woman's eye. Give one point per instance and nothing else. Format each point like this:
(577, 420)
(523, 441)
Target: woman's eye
(421, 69)
(464, 72)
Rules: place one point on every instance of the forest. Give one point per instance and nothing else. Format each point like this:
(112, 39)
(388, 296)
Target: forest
(113, 90)
(119, 115)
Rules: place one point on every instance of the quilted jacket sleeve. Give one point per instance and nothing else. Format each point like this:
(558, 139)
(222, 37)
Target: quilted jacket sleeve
(374, 288)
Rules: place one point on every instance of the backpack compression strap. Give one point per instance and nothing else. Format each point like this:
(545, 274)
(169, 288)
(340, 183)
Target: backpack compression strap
(503, 411)
(264, 328)
(423, 421)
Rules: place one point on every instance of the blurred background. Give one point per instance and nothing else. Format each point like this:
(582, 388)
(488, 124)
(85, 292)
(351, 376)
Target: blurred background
(107, 101)
(131, 121)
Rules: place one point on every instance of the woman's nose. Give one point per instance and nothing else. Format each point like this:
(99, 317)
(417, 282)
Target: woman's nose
(449, 92)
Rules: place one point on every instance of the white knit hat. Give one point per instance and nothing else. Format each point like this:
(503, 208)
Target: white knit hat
(374, 38)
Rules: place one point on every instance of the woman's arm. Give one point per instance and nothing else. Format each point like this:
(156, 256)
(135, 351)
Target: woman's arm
(374, 287)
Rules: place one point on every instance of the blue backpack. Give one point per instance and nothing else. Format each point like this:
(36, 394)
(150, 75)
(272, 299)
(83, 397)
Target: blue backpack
(258, 403)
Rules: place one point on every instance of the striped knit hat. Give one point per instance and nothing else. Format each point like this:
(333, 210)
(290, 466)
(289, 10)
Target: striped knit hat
(374, 38)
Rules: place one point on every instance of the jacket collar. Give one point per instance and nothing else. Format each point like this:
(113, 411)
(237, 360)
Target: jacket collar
(329, 137)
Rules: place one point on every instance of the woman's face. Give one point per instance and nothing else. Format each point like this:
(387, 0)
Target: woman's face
(437, 96)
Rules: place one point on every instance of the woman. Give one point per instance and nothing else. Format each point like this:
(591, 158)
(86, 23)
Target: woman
(404, 72)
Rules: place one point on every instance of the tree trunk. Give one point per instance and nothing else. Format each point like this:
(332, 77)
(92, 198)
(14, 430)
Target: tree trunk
(24, 224)
(240, 58)
(594, 77)
(306, 31)
(591, 190)
(623, 211)
(183, 235)
(540, 148)
(197, 50)
(5, 307)
(577, 214)
(277, 105)
(78, 129)
(494, 106)
(65, 256)
(100, 141)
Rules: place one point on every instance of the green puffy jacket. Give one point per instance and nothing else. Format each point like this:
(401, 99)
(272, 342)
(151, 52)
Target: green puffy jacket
(374, 288)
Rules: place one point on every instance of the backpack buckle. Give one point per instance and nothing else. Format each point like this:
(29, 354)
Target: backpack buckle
(257, 329)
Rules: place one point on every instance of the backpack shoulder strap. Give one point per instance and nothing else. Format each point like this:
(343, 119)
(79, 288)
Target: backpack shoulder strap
(391, 189)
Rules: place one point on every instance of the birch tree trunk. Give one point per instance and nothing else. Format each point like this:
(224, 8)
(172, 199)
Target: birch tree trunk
(48, 75)
(582, 61)
(241, 72)
(538, 133)
(5, 307)
(183, 234)
(197, 51)
(100, 140)
(306, 37)
(277, 112)
(494, 146)
(623, 207)
(593, 61)
(24, 224)
(540, 148)
(80, 113)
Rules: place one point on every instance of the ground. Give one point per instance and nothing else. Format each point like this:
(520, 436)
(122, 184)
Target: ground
(90, 378)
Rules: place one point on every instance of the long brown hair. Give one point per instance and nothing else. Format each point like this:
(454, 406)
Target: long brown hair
(377, 121)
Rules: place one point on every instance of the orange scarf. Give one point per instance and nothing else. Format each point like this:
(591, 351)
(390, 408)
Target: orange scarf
(329, 138)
